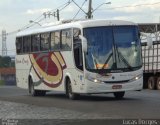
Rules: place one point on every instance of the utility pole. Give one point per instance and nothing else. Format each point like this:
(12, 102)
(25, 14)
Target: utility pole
(91, 11)
(55, 14)
(89, 14)
(4, 47)
(58, 14)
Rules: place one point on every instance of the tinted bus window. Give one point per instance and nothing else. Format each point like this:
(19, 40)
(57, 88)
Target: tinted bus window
(26, 44)
(35, 43)
(55, 41)
(45, 41)
(66, 39)
(19, 45)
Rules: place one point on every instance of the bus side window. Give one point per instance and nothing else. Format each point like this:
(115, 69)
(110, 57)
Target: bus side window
(35, 46)
(26, 44)
(66, 40)
(55, 41)
(19, 45)
(45, 41)
(77, 45)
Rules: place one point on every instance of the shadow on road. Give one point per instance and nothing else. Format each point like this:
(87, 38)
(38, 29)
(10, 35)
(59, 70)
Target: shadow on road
(100, 97)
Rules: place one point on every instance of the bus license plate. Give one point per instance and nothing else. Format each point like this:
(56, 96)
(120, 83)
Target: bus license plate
(117, 87)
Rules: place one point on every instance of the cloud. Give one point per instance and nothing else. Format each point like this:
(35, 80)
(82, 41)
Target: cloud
(121, 18)
(4, 2)
(70, 9)
(37, 11)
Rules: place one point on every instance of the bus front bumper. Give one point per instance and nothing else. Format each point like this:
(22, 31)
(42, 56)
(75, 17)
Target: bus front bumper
(93, 88)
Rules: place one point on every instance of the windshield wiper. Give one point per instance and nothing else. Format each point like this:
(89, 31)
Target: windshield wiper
(110, 55)
(122, 58)
(94, 60)
(118, 54)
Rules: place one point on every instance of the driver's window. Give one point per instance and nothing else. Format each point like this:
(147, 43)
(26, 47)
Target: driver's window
(77, 48)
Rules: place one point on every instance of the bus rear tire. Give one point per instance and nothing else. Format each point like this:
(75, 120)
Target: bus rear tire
(158, 83)
(151, 83)
(119, 95)
(69, 93)
(34, 92)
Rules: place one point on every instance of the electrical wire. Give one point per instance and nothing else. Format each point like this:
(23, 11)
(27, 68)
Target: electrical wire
(78, 6)
(138, 5)
(79, 10)
(25, 27)
(63, 6)
(60, 8)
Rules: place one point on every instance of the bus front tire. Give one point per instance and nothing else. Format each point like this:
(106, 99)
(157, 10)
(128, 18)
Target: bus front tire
(34, 92)
(119, 95)
(69, 93)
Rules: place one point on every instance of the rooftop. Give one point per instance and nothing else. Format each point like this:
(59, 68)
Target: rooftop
(7, 71)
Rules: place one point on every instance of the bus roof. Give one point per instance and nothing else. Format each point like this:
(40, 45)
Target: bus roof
(76, 24)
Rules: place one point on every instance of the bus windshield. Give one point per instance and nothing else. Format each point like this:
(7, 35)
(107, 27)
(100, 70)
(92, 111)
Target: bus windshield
(113, 49)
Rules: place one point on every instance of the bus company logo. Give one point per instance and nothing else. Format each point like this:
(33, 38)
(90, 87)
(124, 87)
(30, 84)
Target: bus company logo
(49, 68)
(22, 61)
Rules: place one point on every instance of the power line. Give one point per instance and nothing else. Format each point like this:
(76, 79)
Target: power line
(31, 25)
(78, 6)
(130, 6)
(63, 6)
(23, 28)
(58, 9)
(79, 10)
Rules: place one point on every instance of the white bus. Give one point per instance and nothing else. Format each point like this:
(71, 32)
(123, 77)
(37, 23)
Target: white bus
(82, 57)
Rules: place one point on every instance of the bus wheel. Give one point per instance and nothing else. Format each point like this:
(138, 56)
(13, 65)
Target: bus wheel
(158, 83)
(34, 92)
(69, 93)
(119, 95)
(151, 83)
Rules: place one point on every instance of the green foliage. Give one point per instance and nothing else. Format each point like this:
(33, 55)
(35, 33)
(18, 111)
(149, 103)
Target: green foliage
(6, 62)
(12, 64)
(2, 82)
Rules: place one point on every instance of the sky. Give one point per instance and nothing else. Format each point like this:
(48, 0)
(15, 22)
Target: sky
(15, 14)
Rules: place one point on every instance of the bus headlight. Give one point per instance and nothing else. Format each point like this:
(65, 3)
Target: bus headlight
(136, 77)
(90, 78)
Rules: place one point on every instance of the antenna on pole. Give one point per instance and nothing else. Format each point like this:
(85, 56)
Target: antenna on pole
(4, 46)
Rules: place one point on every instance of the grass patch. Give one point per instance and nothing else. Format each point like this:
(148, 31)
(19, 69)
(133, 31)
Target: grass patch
(2, 83)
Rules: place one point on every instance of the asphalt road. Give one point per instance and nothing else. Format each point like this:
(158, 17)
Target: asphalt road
(144, 104)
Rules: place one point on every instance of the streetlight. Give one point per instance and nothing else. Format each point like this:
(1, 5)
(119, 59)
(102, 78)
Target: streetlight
(100, 6)
(90, 11)
(31, 21)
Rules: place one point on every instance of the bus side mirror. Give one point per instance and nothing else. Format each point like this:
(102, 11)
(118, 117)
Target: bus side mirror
(149, 42)
(84, 43)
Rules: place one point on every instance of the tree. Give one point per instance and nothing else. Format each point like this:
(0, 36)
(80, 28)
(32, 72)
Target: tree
(5, 61)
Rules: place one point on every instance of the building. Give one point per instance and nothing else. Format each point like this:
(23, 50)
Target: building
(8, 76)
